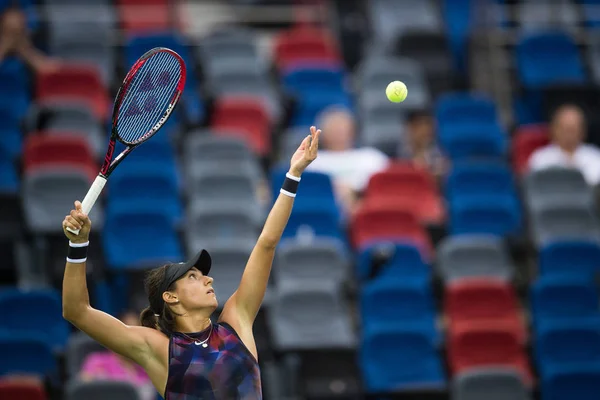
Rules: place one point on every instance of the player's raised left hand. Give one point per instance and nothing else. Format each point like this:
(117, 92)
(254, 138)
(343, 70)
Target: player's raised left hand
(306, 153)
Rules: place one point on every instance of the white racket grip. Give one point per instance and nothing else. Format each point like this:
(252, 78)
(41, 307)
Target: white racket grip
(90, 198)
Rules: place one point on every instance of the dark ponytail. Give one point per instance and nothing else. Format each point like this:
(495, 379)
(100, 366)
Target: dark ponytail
(165, 320)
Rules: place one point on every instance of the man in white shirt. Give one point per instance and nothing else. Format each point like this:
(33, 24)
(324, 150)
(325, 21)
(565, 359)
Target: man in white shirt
(568, 131)
(349, 167)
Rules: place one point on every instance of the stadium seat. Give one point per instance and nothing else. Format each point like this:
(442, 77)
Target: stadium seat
(26, 355)
(470, 141)
(10, 389)
(14, 81)
(572, 343)
(473, 179)
(44, 150)
(309, 107)
(137, 44)
(25, 311)
(387, 223)
(221, 220)
(538, 15)
(48, 195)
(11, 137)
(487, 346)
(324, 259)
(578, 257)
(563, 298)
(489, 383)
(137, 16)
(137, 238)
(101, 389)
(305, 46)
(396, 261)
(216, 185)
(465, 108)
(472, 256)
(228, 262)
(226, 48)
(527, 139)
(75, 83)
(485, 215)
(381, 134)
(204, 146)
(544, 58)
(306, 80)
(483, 302)
(416, 188)
(408, 304)
(569, 383)
(309, 220)
(79, 346)
(146, 187)
(156, 152)
(245, 118)
(553, 221)
(564, 185)
(316, 187)
(393, 358)
(310, 317)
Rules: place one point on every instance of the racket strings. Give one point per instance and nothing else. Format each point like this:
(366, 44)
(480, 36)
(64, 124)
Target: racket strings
(148, 97)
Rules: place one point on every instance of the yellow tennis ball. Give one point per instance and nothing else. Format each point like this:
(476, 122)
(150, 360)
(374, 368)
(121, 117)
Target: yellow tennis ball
(396, 92)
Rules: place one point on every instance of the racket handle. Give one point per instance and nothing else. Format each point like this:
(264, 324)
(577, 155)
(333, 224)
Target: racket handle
(90, 198)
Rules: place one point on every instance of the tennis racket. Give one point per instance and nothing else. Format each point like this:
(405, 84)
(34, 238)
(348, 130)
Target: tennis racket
(143, 104)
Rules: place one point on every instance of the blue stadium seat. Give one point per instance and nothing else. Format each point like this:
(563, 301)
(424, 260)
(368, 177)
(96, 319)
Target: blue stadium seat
(149, 186)
(582, 383)
(305, 80)
(480, 178)
(315, 187)
(11, 139)
(309, 107)
(473, 140)
(545, 58)
(405, 262)
(571, 343)
(464, 108)
(37, 313)
(486, 215)
(392, 358)
(314, 220)
(409, 303)
(9, 179)
(563, 298)
(191, 100)
(137, 238)
(14, 81)
(26, 354)
(570, 257)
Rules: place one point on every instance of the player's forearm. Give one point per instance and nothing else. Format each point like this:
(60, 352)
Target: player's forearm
(75, 296)
(277, 219)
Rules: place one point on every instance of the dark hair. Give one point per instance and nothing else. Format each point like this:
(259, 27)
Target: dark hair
(414, 115)
(165, 321)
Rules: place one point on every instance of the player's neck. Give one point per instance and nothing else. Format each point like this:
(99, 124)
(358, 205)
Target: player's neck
(193, 323)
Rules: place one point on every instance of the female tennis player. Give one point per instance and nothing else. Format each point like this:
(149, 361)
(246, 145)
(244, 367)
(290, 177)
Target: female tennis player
(185, 354)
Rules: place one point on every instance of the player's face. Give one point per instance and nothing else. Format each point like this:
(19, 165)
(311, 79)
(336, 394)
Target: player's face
(195, 290)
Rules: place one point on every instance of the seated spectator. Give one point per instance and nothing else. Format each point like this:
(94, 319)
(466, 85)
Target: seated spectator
(15, 40)
(107, 365)
(567, 147)
(349, 167)
(419, 143)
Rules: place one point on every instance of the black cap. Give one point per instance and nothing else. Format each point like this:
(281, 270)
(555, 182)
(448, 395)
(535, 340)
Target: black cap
(174, 271)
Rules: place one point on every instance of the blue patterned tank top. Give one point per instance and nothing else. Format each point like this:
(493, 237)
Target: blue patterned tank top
(224, 370)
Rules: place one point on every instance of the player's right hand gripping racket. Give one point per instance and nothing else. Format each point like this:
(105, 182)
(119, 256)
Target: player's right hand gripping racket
(143, 104)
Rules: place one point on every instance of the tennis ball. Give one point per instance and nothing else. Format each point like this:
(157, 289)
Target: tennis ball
(396, 92)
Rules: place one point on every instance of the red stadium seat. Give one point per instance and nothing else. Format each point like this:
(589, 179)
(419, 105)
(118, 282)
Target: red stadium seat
(413, 188)
(246, 118)
(485, 302)
(386, 222)
(144, 15)
(305, 45)
(75, 83)
(486, 346)
(527, 139)
(22, 389)
(42, 150)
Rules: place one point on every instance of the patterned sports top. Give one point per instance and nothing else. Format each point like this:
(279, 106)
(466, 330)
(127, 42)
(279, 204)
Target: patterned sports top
(224, 370)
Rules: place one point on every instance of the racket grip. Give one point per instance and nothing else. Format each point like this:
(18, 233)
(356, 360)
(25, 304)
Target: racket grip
(90, 198)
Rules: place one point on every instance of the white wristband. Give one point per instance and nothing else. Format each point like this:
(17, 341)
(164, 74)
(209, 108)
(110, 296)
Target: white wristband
(285, 192)
(292, 177)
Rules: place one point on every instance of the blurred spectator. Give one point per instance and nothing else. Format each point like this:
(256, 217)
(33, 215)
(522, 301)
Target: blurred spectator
(349, 167)
(567, 149)
(419, 143)
(111, 366)
(14, 39)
